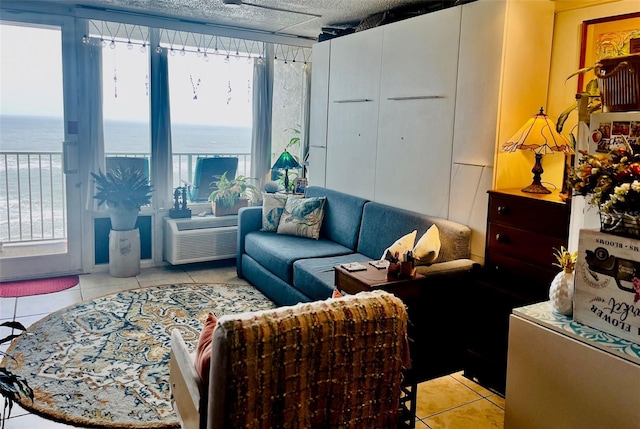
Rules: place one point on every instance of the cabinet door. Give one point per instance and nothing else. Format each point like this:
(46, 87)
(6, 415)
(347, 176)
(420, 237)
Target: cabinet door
(479, 82)
(355, 66)
(319, 113)
(420, 56)
(351, 153)
(354, 85)
(417, 101)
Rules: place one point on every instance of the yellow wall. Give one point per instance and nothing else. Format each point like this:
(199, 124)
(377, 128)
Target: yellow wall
(514, 169)
(566, 49)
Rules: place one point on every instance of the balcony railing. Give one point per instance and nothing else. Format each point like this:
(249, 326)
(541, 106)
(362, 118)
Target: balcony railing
(33, 204)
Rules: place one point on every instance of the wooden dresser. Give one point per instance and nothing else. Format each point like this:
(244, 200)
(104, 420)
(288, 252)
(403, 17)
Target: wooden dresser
(522, 232)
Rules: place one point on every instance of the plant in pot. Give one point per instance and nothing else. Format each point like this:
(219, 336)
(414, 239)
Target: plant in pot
(231, 195)
(124, 191)
(12, 386)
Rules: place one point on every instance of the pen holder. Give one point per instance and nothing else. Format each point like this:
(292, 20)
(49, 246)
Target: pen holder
(406, 269)
(393, 270)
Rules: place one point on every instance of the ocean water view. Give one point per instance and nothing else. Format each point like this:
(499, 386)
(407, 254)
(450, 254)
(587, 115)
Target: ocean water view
(45, 134)
(32, 189)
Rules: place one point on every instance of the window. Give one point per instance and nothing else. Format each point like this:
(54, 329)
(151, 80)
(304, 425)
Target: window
(211, 108)
(125, 98)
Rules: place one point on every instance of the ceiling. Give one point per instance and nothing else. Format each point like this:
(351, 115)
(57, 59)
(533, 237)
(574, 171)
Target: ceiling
(304, 19)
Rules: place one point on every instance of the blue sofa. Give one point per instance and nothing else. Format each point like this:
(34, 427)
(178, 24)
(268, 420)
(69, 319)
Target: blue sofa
(290, 269)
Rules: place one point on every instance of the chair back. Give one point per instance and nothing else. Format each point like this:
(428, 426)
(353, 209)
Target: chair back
(207, 171)
(332, 364)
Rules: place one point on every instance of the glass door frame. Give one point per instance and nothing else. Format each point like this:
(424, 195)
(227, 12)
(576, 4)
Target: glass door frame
(70, 262)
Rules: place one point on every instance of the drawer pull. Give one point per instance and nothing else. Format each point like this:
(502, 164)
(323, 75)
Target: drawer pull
(501, 238)
(502, 210)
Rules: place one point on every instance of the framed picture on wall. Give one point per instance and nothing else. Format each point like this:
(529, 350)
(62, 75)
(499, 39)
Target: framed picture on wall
(300, 185)
(606, 38)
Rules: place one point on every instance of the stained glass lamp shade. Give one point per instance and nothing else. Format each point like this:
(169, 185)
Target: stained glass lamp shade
(540, 136)
(286, 162)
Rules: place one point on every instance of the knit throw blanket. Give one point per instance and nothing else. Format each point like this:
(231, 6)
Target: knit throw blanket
(333, 364)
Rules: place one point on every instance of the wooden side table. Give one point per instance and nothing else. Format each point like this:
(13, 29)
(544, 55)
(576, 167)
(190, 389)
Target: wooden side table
(408, 290)
(372, 278)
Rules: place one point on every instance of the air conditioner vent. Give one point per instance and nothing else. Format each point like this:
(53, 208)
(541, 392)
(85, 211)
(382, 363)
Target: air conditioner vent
(205, 222)
(200, 239)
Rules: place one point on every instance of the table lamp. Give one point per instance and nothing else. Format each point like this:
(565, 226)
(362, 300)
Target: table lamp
(286, 162)
(540, 136)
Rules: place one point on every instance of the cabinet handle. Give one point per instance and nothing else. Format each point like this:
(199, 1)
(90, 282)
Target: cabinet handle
(415, 97)
(502, 210)
(354, 100)
(501, 238)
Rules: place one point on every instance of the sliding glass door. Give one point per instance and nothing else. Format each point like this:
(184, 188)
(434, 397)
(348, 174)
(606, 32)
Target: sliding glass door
(40, 206)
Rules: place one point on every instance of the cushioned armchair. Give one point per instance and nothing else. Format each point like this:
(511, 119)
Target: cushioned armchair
(326, 364)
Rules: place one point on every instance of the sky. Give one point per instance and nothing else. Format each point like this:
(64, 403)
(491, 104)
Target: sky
(31, 76)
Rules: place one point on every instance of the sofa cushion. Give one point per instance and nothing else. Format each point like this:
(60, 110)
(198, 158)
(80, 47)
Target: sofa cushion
(302, 217)
(278, 252)
(315, 277)
(203, 349)
(455, 237)
(427, 248)
(272, 207)
(342, 216)
(402, 245)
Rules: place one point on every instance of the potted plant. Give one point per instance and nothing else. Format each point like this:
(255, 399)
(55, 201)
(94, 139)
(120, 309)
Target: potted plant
(231, 195)
(124, 190)
(12, 386)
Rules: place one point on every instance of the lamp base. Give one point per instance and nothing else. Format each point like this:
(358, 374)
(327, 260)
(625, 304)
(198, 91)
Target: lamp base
(536, 188)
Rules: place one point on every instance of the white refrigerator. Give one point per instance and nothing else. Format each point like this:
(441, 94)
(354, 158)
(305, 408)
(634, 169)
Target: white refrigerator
(604, 133)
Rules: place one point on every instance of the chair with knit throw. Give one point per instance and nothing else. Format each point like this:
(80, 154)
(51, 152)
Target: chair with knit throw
(326, 364)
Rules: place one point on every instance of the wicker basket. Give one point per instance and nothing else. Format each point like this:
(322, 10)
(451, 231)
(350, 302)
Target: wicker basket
(624, 224)
(619, 82)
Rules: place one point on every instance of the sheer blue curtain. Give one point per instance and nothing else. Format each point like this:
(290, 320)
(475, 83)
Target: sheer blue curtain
(161, 150)
(262, 104)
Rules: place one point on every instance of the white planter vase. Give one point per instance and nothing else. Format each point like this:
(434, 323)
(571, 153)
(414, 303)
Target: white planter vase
(561, 293)
(123, 219)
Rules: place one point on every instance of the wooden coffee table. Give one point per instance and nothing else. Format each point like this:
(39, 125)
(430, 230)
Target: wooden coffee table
(408, 290)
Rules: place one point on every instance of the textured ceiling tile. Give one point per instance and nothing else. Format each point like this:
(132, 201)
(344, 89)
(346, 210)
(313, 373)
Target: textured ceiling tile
(259, 14)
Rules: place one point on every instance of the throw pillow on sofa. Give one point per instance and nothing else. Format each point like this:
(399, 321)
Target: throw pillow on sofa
(402, 245)
(203, 349)
(272, 207)
(427, 248)
(302, 217)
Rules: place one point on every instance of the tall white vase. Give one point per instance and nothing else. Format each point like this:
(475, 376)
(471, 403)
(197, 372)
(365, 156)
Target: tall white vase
(561, 293)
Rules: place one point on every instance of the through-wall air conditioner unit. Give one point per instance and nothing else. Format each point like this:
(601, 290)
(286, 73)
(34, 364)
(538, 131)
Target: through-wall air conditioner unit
(200, 239)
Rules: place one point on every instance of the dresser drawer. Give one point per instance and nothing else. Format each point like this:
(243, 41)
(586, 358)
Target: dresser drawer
(517, 243)
(528, 281)
(530, 213)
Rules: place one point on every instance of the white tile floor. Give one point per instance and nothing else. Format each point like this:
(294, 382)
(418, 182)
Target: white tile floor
(450, 402)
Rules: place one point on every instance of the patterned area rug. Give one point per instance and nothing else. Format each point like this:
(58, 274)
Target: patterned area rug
(105, 363)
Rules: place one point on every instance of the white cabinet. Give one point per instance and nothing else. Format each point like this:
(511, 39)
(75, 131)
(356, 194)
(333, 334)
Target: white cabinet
(562, 374)
(353, 112)
(417, 109)
(321, 56)
(416, 113)
(355, 66)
